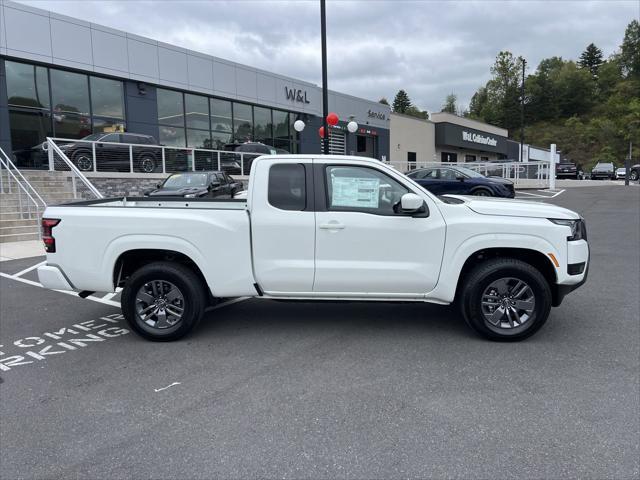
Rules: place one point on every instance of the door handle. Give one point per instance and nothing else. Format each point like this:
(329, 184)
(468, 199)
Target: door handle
(331, 226)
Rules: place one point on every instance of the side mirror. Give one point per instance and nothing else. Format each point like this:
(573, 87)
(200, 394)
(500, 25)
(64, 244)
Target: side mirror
(460, 178)
(411, 203)
(146, 193)
(159, 185)
(215, 184)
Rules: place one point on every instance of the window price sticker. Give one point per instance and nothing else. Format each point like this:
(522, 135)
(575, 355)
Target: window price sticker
(355, 192)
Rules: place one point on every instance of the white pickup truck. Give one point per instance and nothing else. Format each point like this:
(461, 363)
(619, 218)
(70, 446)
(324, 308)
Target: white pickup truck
(320, 228)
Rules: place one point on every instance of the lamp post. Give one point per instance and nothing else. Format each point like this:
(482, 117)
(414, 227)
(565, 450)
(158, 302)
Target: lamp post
(524, 63)
(325, 96)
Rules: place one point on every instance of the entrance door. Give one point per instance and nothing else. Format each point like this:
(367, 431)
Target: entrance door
(366, 146)
(364, 246)
(448, 157)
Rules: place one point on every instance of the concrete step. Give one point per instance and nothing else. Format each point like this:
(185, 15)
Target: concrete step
(20, 223)
(19, 237)
(10, 215)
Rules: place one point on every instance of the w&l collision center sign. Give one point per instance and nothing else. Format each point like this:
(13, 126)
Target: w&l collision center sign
(448, 134)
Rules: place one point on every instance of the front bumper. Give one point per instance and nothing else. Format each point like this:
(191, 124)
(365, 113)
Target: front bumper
(578, 254)
(52, 277)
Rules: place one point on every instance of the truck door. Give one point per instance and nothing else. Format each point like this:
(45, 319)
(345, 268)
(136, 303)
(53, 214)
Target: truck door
(363, 245)
(283, 226)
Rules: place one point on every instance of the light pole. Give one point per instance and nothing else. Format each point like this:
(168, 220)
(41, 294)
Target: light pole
(325, 95)
(524, 63)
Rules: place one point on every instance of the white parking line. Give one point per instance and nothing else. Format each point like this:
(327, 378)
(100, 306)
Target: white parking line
(27, 270)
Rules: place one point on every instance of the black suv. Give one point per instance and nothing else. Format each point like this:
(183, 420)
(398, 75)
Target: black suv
(603, 170)
(566, 169)
(110, 156)
(198, 184)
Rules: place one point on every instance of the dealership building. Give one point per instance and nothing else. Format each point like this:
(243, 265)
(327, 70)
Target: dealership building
(67, 78)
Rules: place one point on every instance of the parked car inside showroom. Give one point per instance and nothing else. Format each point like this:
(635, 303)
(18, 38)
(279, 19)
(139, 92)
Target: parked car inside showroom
(462, 181)
(250, 151)
(111, 156)
(603, 170)
(213, 184)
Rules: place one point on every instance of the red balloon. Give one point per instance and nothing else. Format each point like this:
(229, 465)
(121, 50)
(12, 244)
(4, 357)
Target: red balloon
(332, 119)
(321, 132)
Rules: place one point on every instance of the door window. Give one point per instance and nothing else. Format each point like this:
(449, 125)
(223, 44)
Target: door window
(287, 186)
(362, 189)
(447, 174)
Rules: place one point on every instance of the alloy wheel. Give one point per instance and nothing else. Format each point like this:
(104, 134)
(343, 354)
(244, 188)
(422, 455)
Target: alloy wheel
(147, 165)
(84, 162)
(508, 303)
(159, 304)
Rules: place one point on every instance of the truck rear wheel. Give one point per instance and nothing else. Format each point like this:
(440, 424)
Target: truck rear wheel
(505, 299)
(163, 301)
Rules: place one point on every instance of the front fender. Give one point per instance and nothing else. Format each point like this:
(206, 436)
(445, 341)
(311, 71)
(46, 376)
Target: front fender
(446, 289)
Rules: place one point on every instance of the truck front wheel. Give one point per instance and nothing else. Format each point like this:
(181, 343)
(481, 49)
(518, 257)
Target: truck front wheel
(163, 301)
(505, 299)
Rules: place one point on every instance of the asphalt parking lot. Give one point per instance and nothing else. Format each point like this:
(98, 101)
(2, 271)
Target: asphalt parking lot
(342, 390)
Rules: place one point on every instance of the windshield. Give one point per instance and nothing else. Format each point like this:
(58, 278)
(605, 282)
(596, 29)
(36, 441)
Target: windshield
(469, 173)
(185, 180)
(94, 136)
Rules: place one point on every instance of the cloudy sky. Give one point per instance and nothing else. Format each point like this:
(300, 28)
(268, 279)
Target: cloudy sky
(375, 47)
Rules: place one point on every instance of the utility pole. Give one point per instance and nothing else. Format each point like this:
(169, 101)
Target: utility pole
(524, 63)
(325, 93)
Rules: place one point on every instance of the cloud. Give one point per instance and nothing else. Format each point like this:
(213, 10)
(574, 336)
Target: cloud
(428, 48)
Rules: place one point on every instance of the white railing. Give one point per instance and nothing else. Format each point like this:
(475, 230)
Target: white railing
(534, 174)
(93, 157)
(59, 161)
(30, 204)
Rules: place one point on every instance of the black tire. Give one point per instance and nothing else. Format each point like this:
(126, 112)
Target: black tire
(482, 192)
(483, 276)
(83, 160)
(189, 285)
(633, 175)
(147, 163)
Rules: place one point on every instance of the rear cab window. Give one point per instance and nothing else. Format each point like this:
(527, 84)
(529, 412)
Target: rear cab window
(287, 189)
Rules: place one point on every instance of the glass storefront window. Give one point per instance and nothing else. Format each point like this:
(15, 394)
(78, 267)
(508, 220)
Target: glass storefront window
(220, 115)
(71, 125)
(262, 125)
(70, 92)
(281, 125)
(107, 97)
(197, 111)
(29, 128)
(172, 136)
(198, 138)
(219, 140)
(108, 125)
(242, 122)
(170, 108)
(27, 85)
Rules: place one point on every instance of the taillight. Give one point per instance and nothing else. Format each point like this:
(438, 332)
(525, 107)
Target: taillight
(47, 234)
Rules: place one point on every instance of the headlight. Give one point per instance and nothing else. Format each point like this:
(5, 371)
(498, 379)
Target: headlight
(578, 228)
(190, 195)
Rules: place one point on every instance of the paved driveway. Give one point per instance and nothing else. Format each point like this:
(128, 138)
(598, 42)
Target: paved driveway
(348, 390)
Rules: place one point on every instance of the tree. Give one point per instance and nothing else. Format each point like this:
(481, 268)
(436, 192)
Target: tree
(383, 101)
(416, 112)
(477, 104)
(401, 102)
(591, 59)
(630, 50)
(450, 103)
